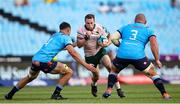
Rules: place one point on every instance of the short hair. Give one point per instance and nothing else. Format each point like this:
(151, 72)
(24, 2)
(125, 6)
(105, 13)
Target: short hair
(89, 16)
(64, 25)
(140, 17)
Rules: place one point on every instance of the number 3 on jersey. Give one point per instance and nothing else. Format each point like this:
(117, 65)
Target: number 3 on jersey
(133, 34)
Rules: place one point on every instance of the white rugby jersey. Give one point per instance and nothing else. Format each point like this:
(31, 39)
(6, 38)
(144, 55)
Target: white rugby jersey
(91, 47)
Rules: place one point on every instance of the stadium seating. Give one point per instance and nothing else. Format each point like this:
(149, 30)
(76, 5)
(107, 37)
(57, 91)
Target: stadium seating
(19, 39)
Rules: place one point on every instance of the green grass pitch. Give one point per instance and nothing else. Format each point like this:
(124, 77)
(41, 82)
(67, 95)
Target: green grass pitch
(81, 94)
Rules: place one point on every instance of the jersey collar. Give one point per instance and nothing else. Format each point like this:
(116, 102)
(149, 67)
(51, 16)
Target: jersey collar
(140, 24)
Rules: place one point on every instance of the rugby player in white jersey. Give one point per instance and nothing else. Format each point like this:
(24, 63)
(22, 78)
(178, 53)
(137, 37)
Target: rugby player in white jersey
(87, 37)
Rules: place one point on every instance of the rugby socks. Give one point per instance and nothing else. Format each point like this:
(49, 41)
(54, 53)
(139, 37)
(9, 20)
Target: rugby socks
(112, 79)
(159, 84)
(13, 91)
(58, 89)
(94, 84)
(117, 85)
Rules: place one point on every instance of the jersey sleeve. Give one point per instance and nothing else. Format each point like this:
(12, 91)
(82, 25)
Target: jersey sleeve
(80, 32)
(150, 33)
(120, 30)
(67, 41)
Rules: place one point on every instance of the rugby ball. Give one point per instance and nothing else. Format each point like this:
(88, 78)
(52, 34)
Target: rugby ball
(102, 39)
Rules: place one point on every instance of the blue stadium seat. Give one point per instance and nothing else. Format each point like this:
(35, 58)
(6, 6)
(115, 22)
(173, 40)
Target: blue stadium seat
(50, 15)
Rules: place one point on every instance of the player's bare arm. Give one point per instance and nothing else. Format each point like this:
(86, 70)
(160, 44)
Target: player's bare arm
(80, 41)
(74, 44)
(115, 38)
(155, 50)
(77, 57)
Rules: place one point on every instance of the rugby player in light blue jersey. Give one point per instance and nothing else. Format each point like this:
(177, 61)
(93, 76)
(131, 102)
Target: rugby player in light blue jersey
(43, 61)
(131, 51)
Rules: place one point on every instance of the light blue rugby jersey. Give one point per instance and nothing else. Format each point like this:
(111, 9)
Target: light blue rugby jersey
(55, 44)
(134, 38)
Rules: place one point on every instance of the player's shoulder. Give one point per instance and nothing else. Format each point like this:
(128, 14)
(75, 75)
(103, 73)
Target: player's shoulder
(101, 28)
(61, 35)
(98, 25)
(127, 26)
(123, 27)
(56, 35)
(81, 30)
(66, 36)
(149, 28)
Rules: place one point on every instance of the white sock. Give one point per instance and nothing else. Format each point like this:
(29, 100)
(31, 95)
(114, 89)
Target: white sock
(94, 83)
(117, 85)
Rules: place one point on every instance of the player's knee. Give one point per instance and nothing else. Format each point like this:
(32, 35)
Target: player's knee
(70, 71)
(108, 67)
(150, 71)
(31, 77)
(114, 69)
(151, 74)
(96, 75)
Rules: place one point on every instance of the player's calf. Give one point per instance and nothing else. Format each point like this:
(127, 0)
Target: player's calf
(120, 93)
(159, 85)
(157, 81)
(10, 95)
(67, 73)
(94, 83)
(112, 79)
(20, 85)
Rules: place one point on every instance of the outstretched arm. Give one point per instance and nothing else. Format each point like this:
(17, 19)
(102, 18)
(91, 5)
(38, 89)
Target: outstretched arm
(115, 38)
(77, 57)
(155, 50)
(109, 40)
(80, 41)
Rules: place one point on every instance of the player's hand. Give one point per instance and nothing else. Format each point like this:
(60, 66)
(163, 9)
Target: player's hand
(159, 64)
(91, 68)
(88, 33)
(74, 44)
(103, 44)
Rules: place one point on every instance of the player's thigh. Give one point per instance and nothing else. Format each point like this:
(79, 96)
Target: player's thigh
(61, 68)
(141, 64)
(146, 66)
(114, 69)
(106, 61)
(118, 65)
(92, 60)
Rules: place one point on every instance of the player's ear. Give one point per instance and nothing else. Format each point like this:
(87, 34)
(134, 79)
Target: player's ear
(68, 30)
(145, 22)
